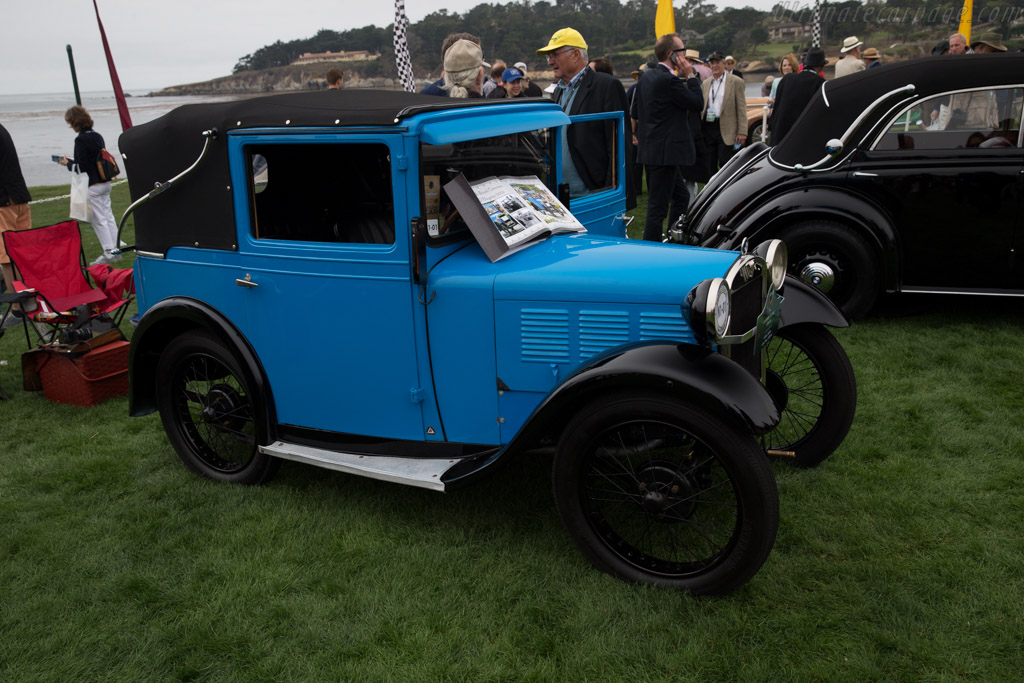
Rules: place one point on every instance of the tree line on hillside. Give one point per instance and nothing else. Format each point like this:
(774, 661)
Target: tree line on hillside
(515, 30)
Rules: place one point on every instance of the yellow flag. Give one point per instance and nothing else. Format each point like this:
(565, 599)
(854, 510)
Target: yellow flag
(665, 19)
(965, 19)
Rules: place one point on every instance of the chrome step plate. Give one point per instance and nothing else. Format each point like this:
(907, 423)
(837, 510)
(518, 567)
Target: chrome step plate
(422, 472)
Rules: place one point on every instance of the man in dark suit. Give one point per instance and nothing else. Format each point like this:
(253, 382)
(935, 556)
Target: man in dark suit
(794, 93)
(665, 96)
(588, 147)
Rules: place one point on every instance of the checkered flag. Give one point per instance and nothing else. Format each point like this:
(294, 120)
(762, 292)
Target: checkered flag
(816, 42)
(402, 59)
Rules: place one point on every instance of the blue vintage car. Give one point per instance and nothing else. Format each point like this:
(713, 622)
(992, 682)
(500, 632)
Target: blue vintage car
(310, 291)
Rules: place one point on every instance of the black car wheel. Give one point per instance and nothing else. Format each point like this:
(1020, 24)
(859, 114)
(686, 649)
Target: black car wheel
(812, 382)
(207, 409)
(836, 260)
(658, 491)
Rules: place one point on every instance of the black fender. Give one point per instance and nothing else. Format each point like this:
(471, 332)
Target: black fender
(802, 303)
(173, 317)
(770, 218)
(692, 373)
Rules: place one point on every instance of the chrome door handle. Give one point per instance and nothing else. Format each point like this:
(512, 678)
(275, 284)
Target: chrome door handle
(247, 282)
(628, 220)
(863, 174)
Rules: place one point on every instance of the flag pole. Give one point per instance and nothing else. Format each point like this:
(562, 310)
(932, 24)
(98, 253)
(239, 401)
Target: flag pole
(74, 77)
(122, 105)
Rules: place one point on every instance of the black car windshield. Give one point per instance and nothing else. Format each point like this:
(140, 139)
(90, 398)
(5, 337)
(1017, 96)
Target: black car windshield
(838, 104)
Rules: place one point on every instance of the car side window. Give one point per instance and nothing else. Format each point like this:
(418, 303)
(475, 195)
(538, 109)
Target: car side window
(984, 119)
(321, 193)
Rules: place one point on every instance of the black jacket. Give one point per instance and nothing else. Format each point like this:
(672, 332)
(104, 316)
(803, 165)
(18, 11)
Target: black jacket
(12, 183)
(661, 106)
(791, 98)
(88, 146)
(590, 143)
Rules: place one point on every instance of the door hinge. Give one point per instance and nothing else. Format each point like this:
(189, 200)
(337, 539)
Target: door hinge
(416, 395)
(402, 161)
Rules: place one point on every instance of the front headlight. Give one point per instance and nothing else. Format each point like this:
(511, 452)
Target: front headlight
(708, 309)
(776, 256)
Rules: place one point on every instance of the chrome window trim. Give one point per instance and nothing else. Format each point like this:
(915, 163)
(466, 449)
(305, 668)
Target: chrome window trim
(891, 120)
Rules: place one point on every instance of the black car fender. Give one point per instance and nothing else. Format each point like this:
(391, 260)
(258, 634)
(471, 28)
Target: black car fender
(692, 373)
(851, 208)
(802, 303)
(173, 317)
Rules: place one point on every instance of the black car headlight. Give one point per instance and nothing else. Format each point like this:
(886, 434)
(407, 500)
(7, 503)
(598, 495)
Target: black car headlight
(776, 255)
(708, 308)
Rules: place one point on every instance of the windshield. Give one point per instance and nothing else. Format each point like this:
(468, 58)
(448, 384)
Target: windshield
(524, 154)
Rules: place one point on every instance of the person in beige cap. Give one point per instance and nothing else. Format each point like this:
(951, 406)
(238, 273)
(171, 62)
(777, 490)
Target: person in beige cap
(988, 42)
(730, 67)
(872, 58)
(464, 70)
(850, 63)
(587, 147)
(699, 65)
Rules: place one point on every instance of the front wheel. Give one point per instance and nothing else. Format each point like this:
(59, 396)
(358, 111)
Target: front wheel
(658, 491)
(837, 261)
(811, 380)
(207, 407)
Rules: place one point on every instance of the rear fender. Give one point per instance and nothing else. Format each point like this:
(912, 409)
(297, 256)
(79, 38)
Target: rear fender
(691, 373)
(168, 320)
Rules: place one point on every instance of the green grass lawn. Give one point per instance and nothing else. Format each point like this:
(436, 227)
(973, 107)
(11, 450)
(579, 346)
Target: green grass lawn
(899, 558)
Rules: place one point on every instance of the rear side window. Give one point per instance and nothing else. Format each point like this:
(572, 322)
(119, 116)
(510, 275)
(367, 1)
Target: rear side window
(337, 193)
(982, 119)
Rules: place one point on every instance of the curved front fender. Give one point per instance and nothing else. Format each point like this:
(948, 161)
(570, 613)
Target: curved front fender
(802, 303)
(690, 373)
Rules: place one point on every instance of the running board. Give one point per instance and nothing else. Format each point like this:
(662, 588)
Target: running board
(422, 472)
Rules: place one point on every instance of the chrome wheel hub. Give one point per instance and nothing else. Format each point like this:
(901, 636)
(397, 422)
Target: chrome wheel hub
(819, 275)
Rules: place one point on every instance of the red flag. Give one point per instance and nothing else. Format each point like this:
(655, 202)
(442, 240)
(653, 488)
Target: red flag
(122, 105)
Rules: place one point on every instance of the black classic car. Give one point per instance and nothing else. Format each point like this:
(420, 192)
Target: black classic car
(906, 178)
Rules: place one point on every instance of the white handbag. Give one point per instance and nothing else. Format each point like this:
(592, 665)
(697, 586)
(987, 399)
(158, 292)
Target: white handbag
(80, 208)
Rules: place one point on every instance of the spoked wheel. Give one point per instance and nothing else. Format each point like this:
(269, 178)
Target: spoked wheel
(208, 411)
(810, 378)
(658, 491)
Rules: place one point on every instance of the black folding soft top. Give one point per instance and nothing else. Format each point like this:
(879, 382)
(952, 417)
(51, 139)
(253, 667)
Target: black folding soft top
(199, 211)
(840, 101)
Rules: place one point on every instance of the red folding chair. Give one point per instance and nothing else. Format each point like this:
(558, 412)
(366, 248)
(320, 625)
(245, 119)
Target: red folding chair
(49, 262)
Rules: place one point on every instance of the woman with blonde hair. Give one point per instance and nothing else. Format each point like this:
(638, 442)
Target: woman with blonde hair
(464, 70)
(788, 65)
(88, 146)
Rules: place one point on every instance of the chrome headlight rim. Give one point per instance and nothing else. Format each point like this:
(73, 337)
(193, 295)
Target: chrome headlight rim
(776, 256)
(708, 308)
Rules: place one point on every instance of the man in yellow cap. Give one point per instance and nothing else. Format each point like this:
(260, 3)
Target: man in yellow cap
(588, 147)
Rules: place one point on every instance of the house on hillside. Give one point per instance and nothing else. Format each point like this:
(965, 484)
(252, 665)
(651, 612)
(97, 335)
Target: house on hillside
(791, 30)
(341, 56)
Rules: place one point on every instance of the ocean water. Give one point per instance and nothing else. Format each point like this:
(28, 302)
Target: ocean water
(36, 124)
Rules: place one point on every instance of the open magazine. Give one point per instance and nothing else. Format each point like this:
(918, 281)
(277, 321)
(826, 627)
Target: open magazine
(509, 213)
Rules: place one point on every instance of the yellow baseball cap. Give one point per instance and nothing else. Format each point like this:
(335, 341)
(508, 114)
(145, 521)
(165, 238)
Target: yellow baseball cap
(564, 37)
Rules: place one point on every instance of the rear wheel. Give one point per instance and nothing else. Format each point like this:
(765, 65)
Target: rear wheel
(207, 408)
(833, 258)
(658, 491)
(811, 380)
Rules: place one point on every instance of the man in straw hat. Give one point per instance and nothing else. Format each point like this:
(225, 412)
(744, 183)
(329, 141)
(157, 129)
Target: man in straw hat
(587, 147)
(872, 58)
(988, 42)
(850, 63)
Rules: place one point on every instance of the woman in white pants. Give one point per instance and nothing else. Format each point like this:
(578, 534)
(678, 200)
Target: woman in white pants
(88, 146)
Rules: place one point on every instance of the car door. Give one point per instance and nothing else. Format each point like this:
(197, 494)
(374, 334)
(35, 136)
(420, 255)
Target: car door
(602, 211)
(951, 180)
(326, 270)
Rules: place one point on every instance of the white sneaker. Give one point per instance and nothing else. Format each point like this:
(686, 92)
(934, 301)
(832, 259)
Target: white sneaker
(106, 257)
(123, 244)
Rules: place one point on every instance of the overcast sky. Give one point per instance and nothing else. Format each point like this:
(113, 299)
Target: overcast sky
(159, 44)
